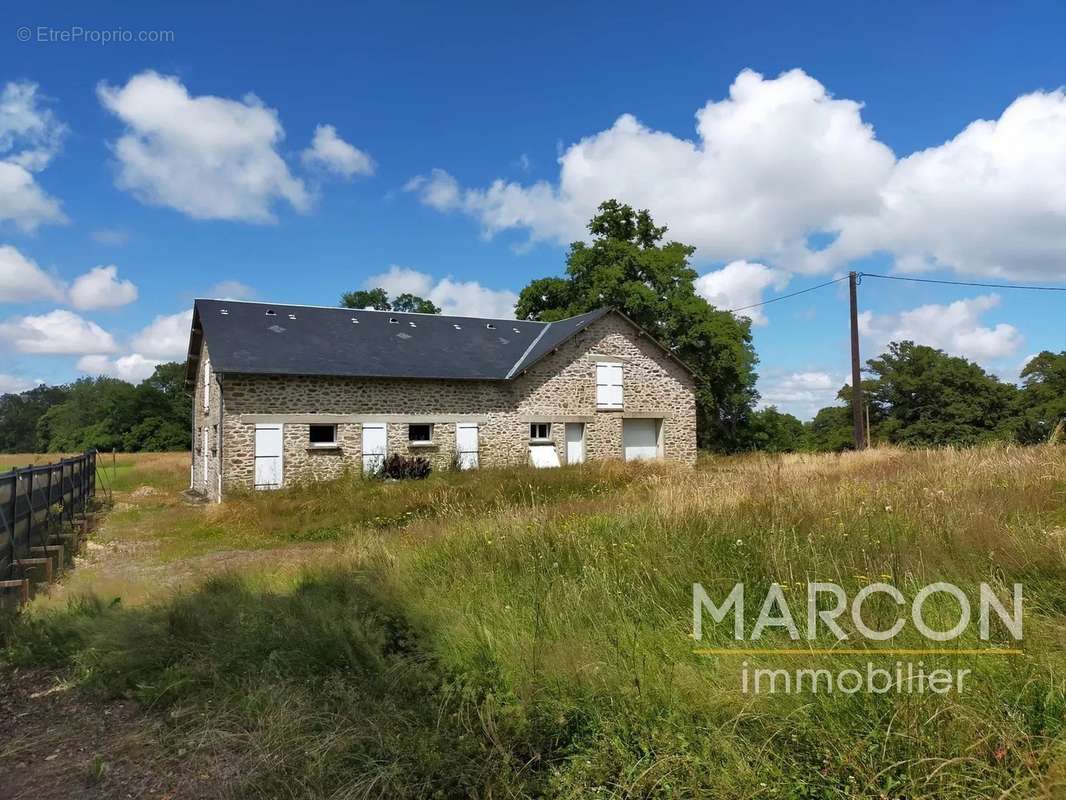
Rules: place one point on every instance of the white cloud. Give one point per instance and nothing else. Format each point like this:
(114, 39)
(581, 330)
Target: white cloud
(781, 160)
(21, 280)
(208, 157)
(30, 137)
(330, 152)
(133, 367)
(231, 290)
(991, 201)
(111, 236)
(773, 162)
(167, 336)
(459, 298)
(955, 328)
(58, 332)
(100, 287)
(741, 284)
(799, 393)
(13, 384)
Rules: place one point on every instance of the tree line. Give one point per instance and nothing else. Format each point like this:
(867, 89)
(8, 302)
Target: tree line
(916, 395)
(102, 413)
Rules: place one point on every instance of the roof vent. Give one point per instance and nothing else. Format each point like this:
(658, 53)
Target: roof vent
(355, 320)
(457, 326)
(223, 311)
(490, 326)
(292, 316)
(271, 312)
(393, 321)
(516, 330)
(412, 324)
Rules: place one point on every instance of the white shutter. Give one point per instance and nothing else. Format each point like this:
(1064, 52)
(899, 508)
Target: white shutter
(207, 383)
(608, 385)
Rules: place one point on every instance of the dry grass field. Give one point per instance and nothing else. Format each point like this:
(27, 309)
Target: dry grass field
(529, 634)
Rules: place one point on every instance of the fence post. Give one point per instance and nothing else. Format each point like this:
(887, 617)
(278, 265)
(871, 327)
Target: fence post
(29, 504)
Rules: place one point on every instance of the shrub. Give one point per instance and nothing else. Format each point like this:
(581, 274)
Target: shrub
(400, 467)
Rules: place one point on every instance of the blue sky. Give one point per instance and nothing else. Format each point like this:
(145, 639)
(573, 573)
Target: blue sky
(291, 155)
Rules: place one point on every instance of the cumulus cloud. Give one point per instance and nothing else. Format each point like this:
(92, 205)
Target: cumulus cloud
(167, 337)
(332, 153)
(208, 157)
(459, 298)
(58, 332)
(991, 201)
(771, 163)
(30, 137)
(955, 328)
(133, 367)
(101, 287)
(781, 162)
(799, 393)
(21, 280)
(231, 290)
(740, 284)
(13, 384)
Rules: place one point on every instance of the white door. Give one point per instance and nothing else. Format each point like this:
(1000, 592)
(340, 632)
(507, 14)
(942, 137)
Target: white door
(375, 445)
(640, 438)
(466, 445)
(575, 443)
(267, 455)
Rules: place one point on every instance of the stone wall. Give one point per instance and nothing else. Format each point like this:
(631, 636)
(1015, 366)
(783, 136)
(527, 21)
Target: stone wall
(560, 388)
(206, 434)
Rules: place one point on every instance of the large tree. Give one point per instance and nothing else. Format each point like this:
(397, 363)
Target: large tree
(378, 299)
(774, 431)
(927, 397)
(1043, 397)
(629, 266)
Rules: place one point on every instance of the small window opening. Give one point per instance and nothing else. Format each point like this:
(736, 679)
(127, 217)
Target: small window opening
(323, 435)
(393, 321)
(271, 312)
(490, 326)
(421, 433)
(540, 430)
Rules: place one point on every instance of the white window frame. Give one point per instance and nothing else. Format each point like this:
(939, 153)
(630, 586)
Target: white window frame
(534, 431)
(604, 383)
(330, 445)
(420, 442)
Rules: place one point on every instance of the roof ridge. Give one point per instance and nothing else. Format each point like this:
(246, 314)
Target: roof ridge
(367, 310)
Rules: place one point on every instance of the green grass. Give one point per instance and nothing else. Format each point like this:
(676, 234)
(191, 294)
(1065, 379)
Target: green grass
(525, 634)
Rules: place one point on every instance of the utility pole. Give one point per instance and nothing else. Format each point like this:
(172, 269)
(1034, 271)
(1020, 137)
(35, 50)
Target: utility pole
(856, 369)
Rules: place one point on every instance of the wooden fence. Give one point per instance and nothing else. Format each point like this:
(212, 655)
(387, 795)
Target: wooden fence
(35, 500)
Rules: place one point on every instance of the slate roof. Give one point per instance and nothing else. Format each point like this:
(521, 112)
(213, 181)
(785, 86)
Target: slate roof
(277, 339)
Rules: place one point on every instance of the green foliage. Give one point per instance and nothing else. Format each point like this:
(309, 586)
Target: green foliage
(103, 413)
(773, 431)
(831, 430)
(1043, 397)
(927, 397)
(629, 267)
(378, 299)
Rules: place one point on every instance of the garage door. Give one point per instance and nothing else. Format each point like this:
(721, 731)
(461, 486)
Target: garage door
(267, 456)
(640, 438)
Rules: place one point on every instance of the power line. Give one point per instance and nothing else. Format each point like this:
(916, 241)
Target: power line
(963, 283)
(786, 296)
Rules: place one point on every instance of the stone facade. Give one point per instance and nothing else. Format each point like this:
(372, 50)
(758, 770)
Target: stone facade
(559, 389)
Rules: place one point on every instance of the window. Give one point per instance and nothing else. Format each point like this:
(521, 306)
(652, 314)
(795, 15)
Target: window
(323, 435)
(539, 430)
(421, 433)
(207, 383)
(608, 385)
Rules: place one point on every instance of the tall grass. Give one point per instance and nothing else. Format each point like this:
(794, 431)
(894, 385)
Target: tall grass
(535, 642)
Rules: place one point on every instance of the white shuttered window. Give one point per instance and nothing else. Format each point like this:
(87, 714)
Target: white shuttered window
(608, 384)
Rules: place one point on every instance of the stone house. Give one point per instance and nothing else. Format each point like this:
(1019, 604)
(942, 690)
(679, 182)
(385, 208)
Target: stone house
(285, 394)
